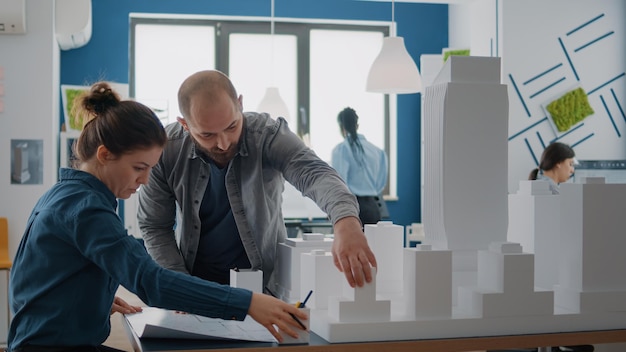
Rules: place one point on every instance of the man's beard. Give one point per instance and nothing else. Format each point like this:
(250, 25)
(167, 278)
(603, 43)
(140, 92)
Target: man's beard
(220, 157)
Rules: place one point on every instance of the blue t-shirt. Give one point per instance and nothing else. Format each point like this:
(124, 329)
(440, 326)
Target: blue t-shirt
(220, 248)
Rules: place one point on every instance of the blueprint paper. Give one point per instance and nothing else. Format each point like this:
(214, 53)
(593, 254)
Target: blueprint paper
(160, 323)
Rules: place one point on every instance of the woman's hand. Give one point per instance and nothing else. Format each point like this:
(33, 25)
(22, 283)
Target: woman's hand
(273, 313)
(121, 306)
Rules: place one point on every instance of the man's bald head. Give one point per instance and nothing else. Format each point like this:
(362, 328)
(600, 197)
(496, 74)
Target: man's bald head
(209, 83)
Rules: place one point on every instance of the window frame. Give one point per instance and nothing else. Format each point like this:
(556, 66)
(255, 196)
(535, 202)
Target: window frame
(226, 25)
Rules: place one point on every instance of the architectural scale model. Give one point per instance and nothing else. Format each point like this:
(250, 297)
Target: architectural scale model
(288, 270)
(558, 267)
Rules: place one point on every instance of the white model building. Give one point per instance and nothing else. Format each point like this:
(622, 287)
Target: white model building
(467, 280)
(319, 274)
(506, 285)
(288, 271)
(534, 222)
(466, 161)
(504, 300)
(591, 268)
(359, 305)
(427, 282)
(387, 241)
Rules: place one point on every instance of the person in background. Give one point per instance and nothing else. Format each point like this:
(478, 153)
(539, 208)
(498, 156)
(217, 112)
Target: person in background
(214, 198)
(75, 251)
(556, 165)
(362, 165)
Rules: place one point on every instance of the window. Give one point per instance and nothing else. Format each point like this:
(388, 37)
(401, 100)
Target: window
(161, 61)
(319, 69)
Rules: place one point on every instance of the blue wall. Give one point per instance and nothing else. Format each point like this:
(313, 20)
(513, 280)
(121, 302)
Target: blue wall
(423, 26)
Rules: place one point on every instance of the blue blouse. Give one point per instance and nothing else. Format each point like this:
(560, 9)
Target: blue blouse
(75, 253)
(363, 179)
(554, 187)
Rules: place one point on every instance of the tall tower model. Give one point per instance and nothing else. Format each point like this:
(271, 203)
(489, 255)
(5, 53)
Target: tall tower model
(466, 151)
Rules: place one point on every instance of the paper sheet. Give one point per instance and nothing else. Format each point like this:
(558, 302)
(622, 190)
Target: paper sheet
(160, 323)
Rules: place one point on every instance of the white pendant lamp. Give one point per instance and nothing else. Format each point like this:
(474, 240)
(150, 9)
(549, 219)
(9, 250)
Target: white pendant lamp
(393, 70)
(272, 103)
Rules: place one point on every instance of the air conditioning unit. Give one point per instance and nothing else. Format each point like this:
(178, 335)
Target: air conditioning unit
(12, 16)
(72, 23)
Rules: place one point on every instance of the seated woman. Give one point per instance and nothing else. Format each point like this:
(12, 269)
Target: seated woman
(556, 165)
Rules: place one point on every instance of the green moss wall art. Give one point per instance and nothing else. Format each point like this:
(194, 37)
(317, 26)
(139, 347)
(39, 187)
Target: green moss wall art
(570, 109)
(446, 53)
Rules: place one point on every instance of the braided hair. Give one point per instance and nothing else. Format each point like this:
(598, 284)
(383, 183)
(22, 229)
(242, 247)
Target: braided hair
(348, 122)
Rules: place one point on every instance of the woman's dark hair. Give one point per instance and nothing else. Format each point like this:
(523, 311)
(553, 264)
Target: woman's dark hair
(121, 126)
(551, 156)
(348, 121)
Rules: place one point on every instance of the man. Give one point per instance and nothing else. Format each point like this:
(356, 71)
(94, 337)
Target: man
(222, 172)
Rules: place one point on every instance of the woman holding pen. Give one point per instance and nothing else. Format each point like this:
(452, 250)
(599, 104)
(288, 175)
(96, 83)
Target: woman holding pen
(75, 251)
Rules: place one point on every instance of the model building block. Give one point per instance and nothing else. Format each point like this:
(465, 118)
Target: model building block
(534, 222)
(387, 242)
(319, 274)
(505, 285)
(427, 282)
(288, 272)
(359, 304)
(591, 270)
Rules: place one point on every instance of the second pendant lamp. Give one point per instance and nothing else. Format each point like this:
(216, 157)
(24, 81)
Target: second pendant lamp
(393, 70)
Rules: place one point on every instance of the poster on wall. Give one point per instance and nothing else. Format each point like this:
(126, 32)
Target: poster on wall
(67, 149)
(26, 161)
(68, 95)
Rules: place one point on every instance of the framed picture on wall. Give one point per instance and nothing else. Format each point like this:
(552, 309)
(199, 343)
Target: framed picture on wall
(67, 142)
(26, 161)
(68, 94)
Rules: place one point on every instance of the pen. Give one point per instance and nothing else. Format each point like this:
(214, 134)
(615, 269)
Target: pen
(270, 292)
(306, 299)
(292, 315)
(297, 321)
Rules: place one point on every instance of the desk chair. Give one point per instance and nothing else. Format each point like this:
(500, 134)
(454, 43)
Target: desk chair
(5, 261)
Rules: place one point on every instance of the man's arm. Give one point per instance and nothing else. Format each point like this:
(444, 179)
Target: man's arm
(156, 217)
(320, 182)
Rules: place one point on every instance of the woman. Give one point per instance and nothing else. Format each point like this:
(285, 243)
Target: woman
(556, 166)
(362, 165)
(75, 251)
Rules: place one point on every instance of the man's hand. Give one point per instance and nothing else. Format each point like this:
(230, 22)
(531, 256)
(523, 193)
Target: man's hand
(351, 253)
(120, 305)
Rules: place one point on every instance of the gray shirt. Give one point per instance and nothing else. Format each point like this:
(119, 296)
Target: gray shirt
(269, 153)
